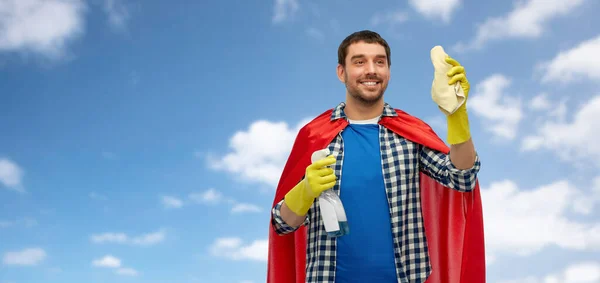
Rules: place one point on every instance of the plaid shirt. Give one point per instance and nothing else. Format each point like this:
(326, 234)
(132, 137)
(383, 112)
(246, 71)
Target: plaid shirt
(402, 162)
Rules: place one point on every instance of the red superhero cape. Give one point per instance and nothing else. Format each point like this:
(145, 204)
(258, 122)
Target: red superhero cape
(453, 220)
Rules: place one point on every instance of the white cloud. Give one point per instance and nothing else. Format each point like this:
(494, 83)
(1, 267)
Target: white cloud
(526, 221)
(581, 61)
(119, 238)
(284, 9)
(260, 152)
(210, 196)
(581, 272)
(527, 19)
(112, 262)
(568, 139)
(107, 261)
(29, 256)
(40, 26)
(127, 271)
(117, 13)
(11, 175)
(585, 204)
(25, 222)
(233, 248)
(540, 102)
(122, 238)
(171, 202)
(436, 9)
(547, 109)
(502, 112)
(149, 239)
(529, 279)
(213, 197)
(245, 207)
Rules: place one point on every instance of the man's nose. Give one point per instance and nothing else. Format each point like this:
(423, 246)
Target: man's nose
(371, 68)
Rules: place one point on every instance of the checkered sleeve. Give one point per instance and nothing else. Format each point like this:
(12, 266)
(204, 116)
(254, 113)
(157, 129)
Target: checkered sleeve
(438, 166)
(281, 227)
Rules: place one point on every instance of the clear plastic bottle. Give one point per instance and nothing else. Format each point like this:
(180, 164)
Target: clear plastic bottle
(331, 207)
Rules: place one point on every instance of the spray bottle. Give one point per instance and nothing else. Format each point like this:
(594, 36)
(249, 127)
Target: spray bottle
(332, 210)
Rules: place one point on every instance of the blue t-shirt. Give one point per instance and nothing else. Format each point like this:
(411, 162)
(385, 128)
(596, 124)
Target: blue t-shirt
(367, 253)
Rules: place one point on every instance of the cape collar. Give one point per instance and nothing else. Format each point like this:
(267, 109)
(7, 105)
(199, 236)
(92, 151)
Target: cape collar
(338, 111)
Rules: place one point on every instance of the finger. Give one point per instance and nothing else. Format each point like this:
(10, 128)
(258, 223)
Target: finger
(327, 179)
(327, 186)
(451, 61)
(324, 172)
(459, 77)
(324, 162)
(455, 70)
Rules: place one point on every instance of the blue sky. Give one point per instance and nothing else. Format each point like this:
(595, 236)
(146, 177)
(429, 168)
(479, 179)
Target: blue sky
(142, 141)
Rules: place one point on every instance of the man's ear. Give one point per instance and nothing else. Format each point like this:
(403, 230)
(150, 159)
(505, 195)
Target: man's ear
(341, 73)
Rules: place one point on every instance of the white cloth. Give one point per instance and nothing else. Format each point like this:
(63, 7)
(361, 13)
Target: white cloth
(447, 97)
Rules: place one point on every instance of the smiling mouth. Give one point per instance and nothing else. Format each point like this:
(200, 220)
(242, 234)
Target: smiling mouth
(370, 83)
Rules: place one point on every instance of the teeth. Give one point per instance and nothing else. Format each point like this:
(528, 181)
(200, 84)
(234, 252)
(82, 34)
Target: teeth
(369, 83)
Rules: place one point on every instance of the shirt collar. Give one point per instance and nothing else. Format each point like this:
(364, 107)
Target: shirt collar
(338, 111)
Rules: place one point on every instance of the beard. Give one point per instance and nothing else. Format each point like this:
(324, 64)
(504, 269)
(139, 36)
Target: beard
(361, 96)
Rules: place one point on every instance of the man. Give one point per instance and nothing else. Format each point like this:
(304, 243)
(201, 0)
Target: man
(412, 205)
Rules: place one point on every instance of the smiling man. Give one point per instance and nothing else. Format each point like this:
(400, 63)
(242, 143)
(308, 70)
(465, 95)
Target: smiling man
(412, 203)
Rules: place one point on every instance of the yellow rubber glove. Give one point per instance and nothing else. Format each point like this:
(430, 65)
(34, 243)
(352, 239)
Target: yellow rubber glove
(458, 122)
(318, 178)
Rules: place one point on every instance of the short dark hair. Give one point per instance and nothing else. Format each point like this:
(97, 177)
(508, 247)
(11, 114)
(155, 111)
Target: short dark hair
(366, 36)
